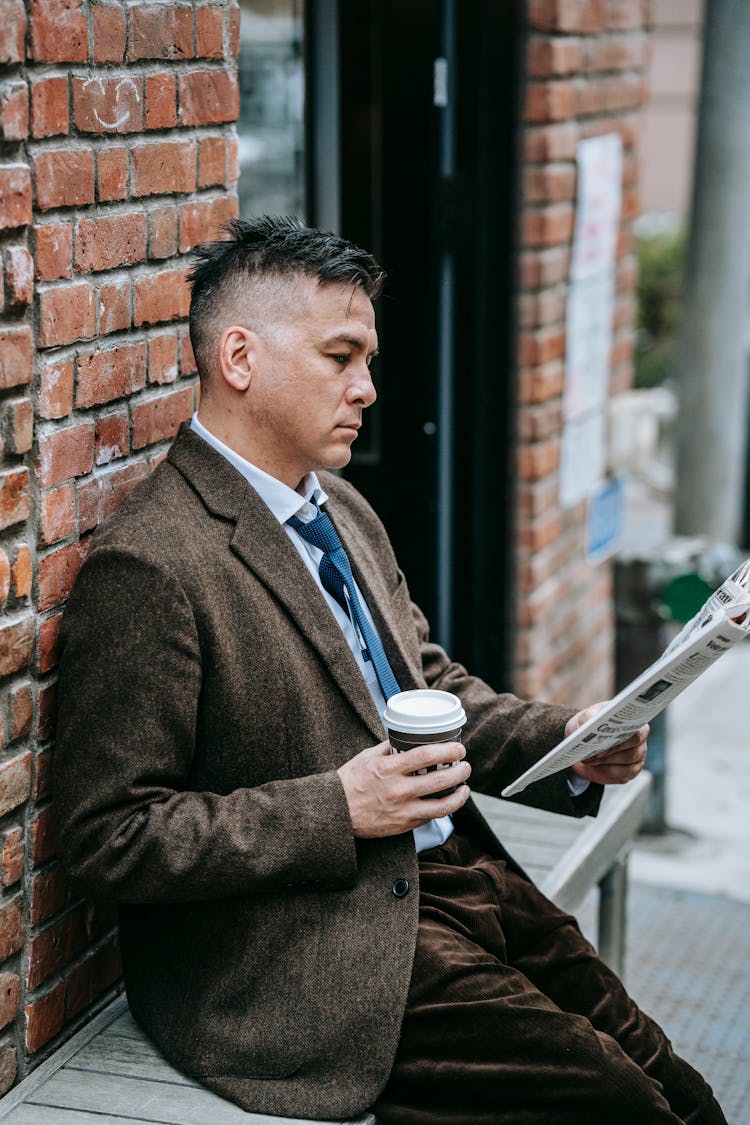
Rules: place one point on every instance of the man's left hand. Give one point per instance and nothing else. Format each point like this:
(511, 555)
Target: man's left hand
(615, 766)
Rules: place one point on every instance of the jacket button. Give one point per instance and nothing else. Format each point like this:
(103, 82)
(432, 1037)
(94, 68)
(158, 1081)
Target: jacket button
(400, 888)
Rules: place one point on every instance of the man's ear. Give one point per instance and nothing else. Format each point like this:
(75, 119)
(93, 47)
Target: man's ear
(238, 351)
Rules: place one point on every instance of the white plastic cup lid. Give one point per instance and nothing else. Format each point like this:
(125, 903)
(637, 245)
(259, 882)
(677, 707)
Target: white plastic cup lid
(424, 711)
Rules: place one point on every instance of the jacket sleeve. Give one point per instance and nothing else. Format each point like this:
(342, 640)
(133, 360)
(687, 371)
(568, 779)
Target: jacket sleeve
(504, 735)
(137, 823)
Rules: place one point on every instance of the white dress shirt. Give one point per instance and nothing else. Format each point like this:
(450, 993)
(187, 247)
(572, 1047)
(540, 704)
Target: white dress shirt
(284, 502)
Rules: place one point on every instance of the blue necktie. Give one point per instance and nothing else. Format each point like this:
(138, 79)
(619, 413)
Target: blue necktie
(336, 574)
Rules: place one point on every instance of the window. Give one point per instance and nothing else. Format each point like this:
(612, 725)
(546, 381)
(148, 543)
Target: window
(271, 126)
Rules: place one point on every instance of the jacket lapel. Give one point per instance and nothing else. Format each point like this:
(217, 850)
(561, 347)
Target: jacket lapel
(263, 545)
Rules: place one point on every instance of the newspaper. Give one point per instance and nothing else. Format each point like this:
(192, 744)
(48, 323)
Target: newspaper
(723, 620)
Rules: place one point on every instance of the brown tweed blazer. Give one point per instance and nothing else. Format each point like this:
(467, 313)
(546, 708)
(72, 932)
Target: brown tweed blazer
(206, 700)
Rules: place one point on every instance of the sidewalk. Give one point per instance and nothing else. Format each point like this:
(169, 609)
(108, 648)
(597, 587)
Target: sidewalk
(689, 905)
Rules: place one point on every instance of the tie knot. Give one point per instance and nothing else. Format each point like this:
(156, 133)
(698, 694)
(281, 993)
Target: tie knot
(320, 532)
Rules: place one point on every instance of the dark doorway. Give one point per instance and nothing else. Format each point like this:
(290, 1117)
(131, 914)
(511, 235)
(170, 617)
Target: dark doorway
(427, 182)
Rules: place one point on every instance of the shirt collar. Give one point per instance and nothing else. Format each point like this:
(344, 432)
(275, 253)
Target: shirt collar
(283, 501)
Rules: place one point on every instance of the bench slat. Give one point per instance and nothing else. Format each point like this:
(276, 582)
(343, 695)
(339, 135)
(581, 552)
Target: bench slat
(129, 1056)
(52, 1115)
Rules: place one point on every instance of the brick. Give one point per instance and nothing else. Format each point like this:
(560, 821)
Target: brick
(66, 313)
(549, 101)
(161, 101)
(617, 52)
(108, 105)
(44, 1018)
(16, 356)
(53, 250)
(22, 709)
(549, 225)
(56, 397)
(549, 183)
(50, 114)
(66, 452)
(158, 419)
(11, 928)
(19, 277)
(4, 576)
(42, 787)
(540, 384)
(8, 1064)
(17, 424)
(110, 373)
(15, 784)
(162, 232)
(212, 161)
(57, 573)
(234, 30)
(105, 243)
(623, 15)
(112, 437)
(99, 497)
(14, 111)
(553, 57)
(48, 894)
(58, 515)
(11, 870)
(49, 631)
(114, 306)
(543, 308)
(12, 31)
(161, 296)
(187, 359)
(79, 988)
(10, 991)
(14, 497)
(163, 167)
(64, 178)
(112, 174)
(209, 32)
(22, 574)
(204, 220)
(553, 142)
(541, 346)
(108, 22)
(59, 31)
(15, 196)
(163, 31)
(544, 267)
(42, 834)
(233, 149)
(16, 643)
(162, 358)
(54, 947)
(208, 97)
(585, 16)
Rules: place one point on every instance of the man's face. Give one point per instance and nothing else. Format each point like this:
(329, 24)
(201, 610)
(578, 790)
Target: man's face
(312, 382)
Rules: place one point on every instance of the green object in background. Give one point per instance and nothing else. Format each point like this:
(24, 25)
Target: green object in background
(684, 596)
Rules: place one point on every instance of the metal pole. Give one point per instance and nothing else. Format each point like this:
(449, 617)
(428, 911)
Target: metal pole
(446, 103)
(712, 432)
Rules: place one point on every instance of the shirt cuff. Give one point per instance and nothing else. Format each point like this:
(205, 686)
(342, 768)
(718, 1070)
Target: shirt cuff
(577, 785)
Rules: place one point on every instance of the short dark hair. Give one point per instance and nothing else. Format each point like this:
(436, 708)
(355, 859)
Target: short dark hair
(269, 248)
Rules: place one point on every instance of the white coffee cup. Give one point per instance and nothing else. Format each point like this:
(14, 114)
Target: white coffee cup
(415, 718)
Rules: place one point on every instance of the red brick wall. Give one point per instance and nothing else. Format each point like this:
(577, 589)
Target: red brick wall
(116, 157)
(585, 77)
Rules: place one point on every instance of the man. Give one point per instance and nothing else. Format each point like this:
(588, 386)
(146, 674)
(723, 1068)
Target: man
(305, 927)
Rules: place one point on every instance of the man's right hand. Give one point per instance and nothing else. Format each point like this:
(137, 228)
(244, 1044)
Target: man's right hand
(386, 799)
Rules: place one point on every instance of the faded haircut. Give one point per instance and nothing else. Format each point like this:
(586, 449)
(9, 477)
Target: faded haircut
(255, 272)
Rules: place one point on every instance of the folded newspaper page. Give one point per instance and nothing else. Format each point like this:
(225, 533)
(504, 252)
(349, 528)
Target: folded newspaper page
(722, 621)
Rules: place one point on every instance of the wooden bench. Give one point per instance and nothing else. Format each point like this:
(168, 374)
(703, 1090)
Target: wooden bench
(110, 1074)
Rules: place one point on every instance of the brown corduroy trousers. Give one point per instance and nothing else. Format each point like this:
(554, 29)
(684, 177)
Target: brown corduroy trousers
(512, 1019)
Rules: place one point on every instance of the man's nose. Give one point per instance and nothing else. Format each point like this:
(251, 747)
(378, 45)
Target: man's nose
(362, 388)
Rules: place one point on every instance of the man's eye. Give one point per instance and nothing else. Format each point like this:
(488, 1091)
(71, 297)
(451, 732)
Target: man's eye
(342, 359)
